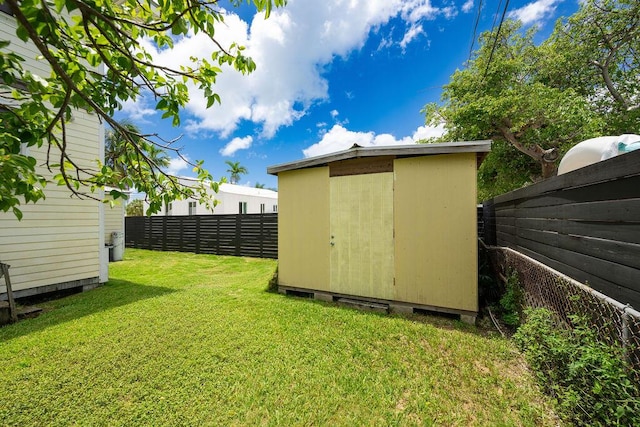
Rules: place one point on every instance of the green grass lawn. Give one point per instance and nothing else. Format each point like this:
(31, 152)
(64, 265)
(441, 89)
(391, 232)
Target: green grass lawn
(185, 339)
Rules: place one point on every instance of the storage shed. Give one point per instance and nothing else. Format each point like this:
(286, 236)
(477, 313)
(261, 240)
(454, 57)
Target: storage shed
(393, 226)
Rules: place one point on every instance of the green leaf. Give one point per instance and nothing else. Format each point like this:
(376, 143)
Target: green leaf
(17, 212)
(22, 33)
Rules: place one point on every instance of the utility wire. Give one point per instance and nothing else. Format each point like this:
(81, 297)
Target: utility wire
(475, 30)
(495, 15)
(495, 42)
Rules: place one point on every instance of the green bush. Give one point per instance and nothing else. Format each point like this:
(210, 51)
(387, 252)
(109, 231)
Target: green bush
(512, 300)
(590, 380)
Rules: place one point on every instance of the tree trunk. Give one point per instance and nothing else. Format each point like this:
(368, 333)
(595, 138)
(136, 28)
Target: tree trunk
(547, 158)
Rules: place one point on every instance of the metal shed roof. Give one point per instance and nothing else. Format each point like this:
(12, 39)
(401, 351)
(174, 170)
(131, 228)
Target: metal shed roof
(480, 147)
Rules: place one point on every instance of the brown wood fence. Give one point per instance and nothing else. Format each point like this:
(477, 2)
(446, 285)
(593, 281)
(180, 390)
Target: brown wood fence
(585, 224)
(252, 235)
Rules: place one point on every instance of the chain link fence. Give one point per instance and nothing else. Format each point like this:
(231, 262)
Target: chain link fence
(614, 322)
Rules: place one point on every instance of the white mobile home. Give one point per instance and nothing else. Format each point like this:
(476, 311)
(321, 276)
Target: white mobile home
(59, 243)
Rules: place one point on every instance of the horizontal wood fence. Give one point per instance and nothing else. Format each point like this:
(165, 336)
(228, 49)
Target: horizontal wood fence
(480, 221)
(585, 224)
(252, 235)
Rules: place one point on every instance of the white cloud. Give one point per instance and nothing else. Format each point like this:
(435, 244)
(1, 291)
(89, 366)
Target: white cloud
(138, 111)
(334, 113)
(412, 32)
(177, 165)
(466, 8)
(340, 138)
(416, 10)
(290, 49)
(426, 132)
(535, 12)
(236, 144)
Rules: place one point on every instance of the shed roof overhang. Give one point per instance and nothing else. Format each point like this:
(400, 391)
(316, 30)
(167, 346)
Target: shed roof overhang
(481, 148)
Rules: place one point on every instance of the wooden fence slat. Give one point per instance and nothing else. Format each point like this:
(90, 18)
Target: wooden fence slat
(625, 210)
(608, 250)
(621, 232)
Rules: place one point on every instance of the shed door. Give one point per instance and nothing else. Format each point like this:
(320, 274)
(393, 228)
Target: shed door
(361, 227)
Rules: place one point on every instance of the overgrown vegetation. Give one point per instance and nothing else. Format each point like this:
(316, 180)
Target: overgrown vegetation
(186, 339)
(512, 300)
(590, 380)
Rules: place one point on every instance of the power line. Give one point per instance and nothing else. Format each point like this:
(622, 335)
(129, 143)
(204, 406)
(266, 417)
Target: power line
(495, 42)
(495, 15)
(475, 30)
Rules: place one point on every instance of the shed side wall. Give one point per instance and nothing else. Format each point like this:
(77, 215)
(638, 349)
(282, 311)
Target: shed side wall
(435, 226)
(303, 228)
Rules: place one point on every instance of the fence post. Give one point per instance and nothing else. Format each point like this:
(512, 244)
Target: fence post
(261, 235)
(147, 226)
(164, 233)
(625, 333)
(218, 236)
(489, 220)
(238, 238)
(197, 234)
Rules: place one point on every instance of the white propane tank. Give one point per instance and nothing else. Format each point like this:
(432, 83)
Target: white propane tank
(596, 149)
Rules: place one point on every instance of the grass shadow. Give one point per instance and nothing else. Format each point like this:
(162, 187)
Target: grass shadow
(115, 293)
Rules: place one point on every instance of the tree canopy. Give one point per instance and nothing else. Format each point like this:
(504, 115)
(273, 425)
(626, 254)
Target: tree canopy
(134, 208)
(117, 151)
(597, 53)
(98, 62)
(537, 101)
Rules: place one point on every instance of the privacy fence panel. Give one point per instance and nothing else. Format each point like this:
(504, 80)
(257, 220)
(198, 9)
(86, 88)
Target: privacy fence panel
(585, 224)
(253, 235)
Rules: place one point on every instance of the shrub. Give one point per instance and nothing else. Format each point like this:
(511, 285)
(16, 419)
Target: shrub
(512, 300)
(590, 380)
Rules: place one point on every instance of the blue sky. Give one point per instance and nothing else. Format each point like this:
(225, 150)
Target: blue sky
(329, 74)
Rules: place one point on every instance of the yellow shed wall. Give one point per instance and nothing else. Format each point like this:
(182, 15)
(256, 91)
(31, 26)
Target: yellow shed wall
(303, 228)
(435, 231)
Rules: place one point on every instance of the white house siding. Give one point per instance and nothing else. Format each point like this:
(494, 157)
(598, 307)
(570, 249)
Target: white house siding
(58, 242)
(229, 197)
(113, 219)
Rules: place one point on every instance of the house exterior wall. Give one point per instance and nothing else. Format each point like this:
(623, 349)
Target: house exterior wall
(57, 244)
(228, 196)
(436, 231)
(229, 202)
(113, 219)
(303, 229)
